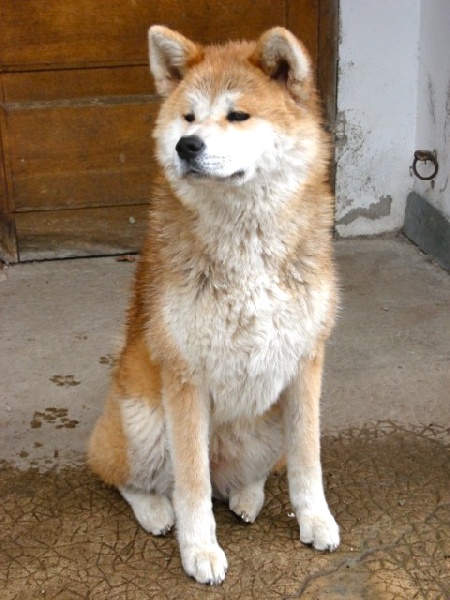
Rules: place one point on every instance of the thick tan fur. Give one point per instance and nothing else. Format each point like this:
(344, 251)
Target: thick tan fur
(165, 434)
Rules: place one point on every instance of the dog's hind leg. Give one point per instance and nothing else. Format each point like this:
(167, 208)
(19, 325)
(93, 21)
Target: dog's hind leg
(128, 450)
(149, 485)
(243, 454)
(154, 512)
(247, 501)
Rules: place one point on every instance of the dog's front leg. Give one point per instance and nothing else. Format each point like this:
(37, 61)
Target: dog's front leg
(187, 414)
(302, 431)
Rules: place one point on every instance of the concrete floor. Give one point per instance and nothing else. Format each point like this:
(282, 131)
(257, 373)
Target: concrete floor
(386, 445)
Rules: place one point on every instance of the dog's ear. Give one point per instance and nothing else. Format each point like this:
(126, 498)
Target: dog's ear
(283, 58)
(171, 55)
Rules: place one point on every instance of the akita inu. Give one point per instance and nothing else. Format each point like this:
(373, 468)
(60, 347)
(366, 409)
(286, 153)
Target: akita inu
(235, 296)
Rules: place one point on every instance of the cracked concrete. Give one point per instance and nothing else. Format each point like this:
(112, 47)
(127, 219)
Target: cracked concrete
(386, 446)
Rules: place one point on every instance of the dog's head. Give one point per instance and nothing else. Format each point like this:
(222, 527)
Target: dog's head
(237, 113)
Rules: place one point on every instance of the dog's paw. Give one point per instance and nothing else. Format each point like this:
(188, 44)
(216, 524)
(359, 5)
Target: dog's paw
(319, 529)
(247, 502)
(153, 512)
(156, 515)
(206, 563)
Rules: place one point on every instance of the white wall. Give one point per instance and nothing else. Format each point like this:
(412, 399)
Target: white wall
(433, 115)
(377, 106)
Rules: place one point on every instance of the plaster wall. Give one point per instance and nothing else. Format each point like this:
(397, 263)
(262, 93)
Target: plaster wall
(377, 106)
(433, 110)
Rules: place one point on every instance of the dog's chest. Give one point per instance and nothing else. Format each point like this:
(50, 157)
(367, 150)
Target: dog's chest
(243, 340)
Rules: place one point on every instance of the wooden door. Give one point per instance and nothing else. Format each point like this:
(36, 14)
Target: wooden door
(78, 106)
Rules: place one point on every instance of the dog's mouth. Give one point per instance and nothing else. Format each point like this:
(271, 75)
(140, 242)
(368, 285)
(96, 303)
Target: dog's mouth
(198, 174)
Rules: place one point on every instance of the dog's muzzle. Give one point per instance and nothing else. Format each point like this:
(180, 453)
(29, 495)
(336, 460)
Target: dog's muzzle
(190, 149)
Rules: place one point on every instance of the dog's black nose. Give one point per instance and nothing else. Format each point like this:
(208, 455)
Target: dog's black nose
(189, 147)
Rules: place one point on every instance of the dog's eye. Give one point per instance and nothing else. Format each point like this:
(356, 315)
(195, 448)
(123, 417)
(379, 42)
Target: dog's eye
(237, 115)
(189, 117)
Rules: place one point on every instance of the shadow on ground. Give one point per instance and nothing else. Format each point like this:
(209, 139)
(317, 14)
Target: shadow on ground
(65, 535)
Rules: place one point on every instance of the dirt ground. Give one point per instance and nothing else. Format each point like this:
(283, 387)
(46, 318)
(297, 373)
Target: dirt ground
(65, 535)
(385, 446)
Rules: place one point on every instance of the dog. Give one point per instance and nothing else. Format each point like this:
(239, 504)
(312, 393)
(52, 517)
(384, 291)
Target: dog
(235, 295)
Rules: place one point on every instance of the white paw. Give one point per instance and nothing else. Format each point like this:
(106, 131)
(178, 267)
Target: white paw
(247, 502)
(156, 515)
(319, 529)
(152, 511)
(206, 563)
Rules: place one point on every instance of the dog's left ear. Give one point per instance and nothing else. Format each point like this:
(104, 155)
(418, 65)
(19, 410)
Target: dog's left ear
(171, 55)
(284, 59)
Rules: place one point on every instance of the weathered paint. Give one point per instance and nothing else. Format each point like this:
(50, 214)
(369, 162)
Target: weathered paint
(433, 115)
(377, 98)
(393, 99)
(377, 210)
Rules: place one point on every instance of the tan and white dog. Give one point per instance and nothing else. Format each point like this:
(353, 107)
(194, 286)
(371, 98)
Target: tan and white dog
(235, 296)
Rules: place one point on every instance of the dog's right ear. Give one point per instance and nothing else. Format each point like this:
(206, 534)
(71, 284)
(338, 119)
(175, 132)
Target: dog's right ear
(171, 55)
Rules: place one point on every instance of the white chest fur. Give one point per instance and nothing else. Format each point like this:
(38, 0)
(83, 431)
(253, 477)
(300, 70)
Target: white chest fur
(240, 318)
(243, 336)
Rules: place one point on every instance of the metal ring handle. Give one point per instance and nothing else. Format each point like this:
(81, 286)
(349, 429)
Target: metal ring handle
(425, 156)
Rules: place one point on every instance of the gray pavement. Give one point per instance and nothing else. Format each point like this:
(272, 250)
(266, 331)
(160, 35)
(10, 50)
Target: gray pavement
(61, 321)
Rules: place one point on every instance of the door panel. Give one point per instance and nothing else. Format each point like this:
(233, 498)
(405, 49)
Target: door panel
(86, 156)
(78, 107)
(81, 232)
(24, 88)
(83, 32)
